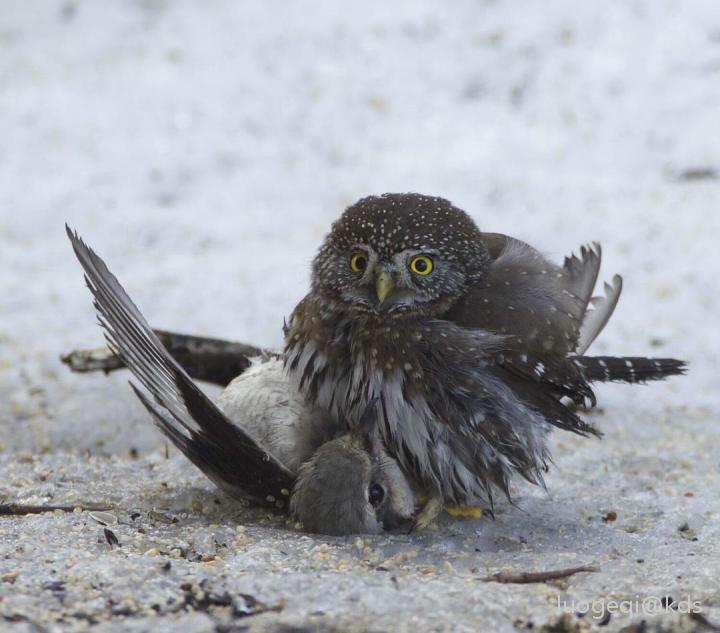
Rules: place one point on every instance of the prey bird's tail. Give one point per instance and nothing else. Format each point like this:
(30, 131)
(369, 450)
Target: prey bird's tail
(219, 448)
(627, 368)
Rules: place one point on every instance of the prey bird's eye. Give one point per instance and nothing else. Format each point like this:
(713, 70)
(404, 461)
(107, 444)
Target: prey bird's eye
(358, 262)
(376, 494)
(421, 265)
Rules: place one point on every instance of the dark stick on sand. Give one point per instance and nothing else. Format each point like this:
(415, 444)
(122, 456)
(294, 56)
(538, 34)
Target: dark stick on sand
(528, 577)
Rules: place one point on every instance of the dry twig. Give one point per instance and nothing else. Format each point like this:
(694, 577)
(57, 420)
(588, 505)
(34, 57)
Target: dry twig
(17, 509)
(527, 577)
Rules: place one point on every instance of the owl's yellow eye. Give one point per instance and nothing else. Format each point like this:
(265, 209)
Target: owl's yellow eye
(421, 265)
(358, 262)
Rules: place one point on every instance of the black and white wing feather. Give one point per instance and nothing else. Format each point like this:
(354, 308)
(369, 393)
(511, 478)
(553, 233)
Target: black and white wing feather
(551, 318)
(222, 450)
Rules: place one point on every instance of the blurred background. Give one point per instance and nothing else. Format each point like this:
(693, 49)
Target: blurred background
(203, 149)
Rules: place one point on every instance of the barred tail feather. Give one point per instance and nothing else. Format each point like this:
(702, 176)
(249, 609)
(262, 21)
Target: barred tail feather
(629, 369)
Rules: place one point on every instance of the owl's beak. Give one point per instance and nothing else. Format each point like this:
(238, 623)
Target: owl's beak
(383, 285)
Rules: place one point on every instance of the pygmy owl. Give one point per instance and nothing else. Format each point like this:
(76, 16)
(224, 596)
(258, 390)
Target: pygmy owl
(468, 340)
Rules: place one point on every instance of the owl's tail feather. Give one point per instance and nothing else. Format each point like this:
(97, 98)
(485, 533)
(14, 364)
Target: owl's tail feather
(629, 369)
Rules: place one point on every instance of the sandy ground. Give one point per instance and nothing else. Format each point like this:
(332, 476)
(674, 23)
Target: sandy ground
(205, 148)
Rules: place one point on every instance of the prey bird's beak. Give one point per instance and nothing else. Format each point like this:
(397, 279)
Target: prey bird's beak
(383, 285)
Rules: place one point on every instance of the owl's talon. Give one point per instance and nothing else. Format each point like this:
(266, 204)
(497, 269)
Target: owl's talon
(427, 518)
(464, 512)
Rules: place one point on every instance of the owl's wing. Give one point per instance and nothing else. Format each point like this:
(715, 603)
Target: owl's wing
(492, 421)
(597, 316)
(542, 305)
(494, 410)
(219, 448)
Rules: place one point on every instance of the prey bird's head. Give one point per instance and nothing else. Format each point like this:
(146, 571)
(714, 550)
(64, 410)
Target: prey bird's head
(352, 486)
(399, 253)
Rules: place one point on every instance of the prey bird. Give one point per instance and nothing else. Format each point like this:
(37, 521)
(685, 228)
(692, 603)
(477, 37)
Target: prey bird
(261, 442)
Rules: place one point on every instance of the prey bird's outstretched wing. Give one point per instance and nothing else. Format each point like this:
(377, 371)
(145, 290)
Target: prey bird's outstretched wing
(222, 450)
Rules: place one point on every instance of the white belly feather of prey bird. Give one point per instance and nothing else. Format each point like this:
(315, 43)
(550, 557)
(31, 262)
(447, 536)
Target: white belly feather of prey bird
(267, 405)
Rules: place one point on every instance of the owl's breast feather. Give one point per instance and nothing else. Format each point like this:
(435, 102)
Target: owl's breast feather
(322, 354)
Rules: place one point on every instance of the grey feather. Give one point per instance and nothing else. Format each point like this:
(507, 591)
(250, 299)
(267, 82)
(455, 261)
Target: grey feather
(597, 317)
(524, 294)
(582, 273)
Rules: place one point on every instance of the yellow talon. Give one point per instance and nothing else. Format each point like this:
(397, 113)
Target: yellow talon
(465, 512)
(427, 519)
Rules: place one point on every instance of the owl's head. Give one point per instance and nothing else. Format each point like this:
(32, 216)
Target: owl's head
(399, 253)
